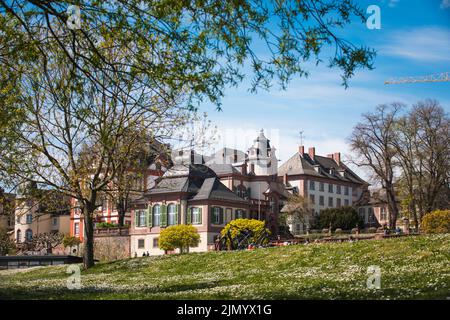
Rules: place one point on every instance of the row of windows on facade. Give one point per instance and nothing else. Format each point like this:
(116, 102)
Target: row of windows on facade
(312, 186)
(166, 215)
(29, 219)
(141, 243)
(330, 201)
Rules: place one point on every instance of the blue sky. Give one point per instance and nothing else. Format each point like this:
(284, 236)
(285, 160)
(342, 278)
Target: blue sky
(414, 40)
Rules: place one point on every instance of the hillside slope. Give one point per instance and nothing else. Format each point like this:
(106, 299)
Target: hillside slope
(411, 268)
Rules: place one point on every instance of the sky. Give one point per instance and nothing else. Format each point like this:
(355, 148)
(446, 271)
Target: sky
(414, 40)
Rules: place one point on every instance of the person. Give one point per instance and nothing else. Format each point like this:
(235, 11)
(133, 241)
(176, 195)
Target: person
(135, 254)
(148, 254)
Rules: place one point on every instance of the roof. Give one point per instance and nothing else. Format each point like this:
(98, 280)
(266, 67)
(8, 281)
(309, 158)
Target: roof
(224, 169)
(277, 187)
(213, 189)
(320, 167)
(199, 181)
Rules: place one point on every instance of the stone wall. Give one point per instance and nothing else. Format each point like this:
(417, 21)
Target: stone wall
(108, 248)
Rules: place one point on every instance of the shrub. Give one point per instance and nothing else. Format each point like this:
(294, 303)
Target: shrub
(256, 227)
(344, 218)
(180, 236)
(7, 246)
(338, 231)
(436, 222)
(70, 241)
(101, 225)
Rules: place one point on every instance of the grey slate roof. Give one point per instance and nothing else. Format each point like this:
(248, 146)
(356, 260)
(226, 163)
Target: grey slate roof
(213, 189)
(224, 169)
(199, 181)
(304, 165)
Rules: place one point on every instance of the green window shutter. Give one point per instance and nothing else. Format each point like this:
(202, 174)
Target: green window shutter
(163, 215)
(221, 216)
(136, 218)
(149, 216)
(212, 215)
(189, 216)
(200, 217)
(177, 212)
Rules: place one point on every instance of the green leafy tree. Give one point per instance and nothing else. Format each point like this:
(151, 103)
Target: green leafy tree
(143, 65)
(179, 237)
(345, 218)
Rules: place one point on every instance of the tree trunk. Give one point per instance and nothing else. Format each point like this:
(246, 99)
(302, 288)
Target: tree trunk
(392, 205)
(88, 255)
(121, 214)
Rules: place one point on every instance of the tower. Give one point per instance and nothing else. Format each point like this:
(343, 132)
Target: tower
(261, 157)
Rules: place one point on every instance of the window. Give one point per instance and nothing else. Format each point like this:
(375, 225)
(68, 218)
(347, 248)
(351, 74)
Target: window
(19, 236)
(141, 244)
(228, 215)
(155, 242)
(330, 202)
(312, 185)
(346, 190)
(382, 213)
(321, 200)
(172, 214)
(156, 215)
(338, 202)
(312, 198)
(216, 215)
(346, 202)
(55, 221)
(140, 218)
(321, 186)
(239, 214)
(196, 215)
(28, 235)
(330, 188)
(338, 189)
(76, 229)
(29, 218)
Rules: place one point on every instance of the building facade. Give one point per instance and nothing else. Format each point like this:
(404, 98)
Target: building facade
(325, 181)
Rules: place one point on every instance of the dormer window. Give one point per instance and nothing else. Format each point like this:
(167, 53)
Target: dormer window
(331, 171)
(317, 168)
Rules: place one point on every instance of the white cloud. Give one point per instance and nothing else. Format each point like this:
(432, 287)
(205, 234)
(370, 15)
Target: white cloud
(445, 4)
(429, 44)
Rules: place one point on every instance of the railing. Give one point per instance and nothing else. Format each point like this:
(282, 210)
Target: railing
(111, 232)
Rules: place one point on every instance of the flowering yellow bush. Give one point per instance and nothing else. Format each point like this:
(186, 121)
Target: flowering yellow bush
(436, 222)
(180, 236)
(236, 226)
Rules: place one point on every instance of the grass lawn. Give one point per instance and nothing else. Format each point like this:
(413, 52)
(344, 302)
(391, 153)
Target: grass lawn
(411, 268)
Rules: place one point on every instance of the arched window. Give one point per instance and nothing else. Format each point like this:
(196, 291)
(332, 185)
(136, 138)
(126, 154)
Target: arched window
(172, 214)
(156, 215)
(28, 235)
(19, 236)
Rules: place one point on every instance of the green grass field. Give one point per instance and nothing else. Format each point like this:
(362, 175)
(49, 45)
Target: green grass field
(411, 268)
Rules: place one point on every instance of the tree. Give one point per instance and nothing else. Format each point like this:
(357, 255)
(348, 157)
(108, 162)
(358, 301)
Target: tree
(7, 245)
(436, 222)
(141, 65)
(423, 154)
(71, 241)
(344, 218)
(179, 237)
(297, 209)
(45, 241)
(372, 141)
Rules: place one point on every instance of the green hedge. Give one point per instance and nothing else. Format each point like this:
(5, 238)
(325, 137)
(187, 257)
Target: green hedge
(345, 218)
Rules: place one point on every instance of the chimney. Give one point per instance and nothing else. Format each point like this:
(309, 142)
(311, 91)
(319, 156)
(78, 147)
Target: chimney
(244, 168)
(301, 150)
(285, 179)
(337, 157)
(312, 152)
